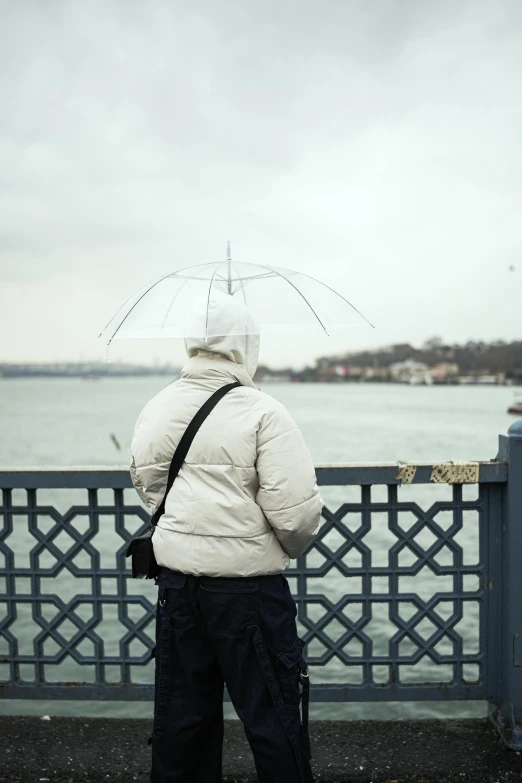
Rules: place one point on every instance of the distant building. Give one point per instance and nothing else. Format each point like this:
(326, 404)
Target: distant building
(444, 372)
(265, 374)
(483, 379)
(274, 377)
(334, 371)
(411, 372)
(379, 374)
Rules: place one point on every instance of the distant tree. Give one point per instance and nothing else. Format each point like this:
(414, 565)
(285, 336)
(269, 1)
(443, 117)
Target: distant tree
(433, 344)
(473, 357)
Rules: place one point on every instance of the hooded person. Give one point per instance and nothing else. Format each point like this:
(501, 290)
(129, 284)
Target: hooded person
(244, 503)
(246, 499)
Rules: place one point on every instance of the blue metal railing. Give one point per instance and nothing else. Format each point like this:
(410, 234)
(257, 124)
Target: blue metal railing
(412, 613)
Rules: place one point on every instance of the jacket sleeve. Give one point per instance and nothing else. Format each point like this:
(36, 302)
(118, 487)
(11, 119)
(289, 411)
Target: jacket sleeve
(288, 494)
(138, 486)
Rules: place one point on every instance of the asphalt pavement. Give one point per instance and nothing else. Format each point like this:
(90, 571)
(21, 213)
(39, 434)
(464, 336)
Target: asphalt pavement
(92, 750)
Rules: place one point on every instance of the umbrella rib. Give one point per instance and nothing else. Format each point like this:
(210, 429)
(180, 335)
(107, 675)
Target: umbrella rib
(246, 279)
(134, 305)
(116, 313)
(299, 292)
(269, 272)
(195, 266)
(208, 299)
(173, 300)
(242, 283)
(340, 295)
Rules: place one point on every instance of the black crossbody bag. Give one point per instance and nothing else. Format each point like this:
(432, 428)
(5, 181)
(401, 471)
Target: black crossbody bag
(140, 550)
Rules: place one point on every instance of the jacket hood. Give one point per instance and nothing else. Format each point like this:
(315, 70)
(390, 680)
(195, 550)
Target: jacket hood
(238, 338)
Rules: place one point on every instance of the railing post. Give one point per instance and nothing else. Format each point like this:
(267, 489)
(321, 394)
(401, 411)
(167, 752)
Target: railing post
(507, 713)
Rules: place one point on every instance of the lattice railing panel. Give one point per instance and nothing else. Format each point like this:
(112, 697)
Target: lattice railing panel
(404, 609)
(85, 606)
(393, 595)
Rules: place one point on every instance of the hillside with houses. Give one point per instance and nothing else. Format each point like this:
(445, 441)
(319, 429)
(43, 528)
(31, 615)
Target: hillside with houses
(435, 362)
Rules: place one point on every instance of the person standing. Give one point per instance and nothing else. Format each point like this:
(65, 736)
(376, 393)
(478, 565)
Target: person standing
(244, 503)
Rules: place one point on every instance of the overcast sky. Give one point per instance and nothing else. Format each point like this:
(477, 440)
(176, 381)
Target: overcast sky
(376, 145)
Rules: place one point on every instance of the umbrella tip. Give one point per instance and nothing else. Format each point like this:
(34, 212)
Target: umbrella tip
(229, 256)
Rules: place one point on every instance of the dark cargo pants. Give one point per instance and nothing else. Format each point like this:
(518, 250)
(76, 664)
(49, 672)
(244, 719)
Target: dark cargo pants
(235, 630)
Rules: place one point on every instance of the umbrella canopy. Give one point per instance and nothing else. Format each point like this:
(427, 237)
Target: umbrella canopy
(189, 303)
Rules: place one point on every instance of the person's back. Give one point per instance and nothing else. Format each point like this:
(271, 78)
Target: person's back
(246, 499)
(244, 503)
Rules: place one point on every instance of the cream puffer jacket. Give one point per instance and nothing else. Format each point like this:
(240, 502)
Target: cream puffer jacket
(246, 500)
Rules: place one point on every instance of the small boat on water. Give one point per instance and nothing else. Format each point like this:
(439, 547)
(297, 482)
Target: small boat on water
(516, 407)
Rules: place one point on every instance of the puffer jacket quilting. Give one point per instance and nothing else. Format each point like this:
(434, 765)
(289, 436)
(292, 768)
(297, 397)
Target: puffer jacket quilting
(246, 499)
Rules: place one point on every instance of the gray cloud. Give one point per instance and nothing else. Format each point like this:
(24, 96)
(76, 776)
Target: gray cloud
(373, 144)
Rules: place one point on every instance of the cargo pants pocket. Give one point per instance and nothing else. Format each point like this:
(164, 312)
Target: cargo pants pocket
(293, 674)
(289, 672)
(296, 731)
(229, 604)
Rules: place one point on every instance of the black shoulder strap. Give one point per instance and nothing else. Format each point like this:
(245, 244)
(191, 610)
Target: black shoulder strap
(186, 442)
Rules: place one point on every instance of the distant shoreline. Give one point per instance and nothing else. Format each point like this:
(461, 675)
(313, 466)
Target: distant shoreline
(90, 377)
(508, 384)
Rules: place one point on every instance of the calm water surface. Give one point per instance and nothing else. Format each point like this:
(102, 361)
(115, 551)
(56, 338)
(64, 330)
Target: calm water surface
(69, 422)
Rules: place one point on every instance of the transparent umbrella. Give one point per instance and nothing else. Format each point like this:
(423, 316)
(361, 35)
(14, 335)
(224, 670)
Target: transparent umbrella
(280, 300)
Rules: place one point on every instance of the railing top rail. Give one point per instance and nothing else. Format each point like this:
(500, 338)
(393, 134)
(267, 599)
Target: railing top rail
(101, 477)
